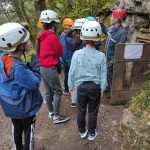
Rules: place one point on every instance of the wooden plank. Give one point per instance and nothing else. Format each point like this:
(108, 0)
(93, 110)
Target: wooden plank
(118, 74)
(119, 52)
(146, 52)
(121, 97)
(138, 74)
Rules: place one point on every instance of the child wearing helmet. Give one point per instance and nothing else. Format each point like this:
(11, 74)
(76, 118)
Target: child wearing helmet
(116, 34)
(19, 84)
(87, 74)
(49, 50)
(67, 24)
(73, 43)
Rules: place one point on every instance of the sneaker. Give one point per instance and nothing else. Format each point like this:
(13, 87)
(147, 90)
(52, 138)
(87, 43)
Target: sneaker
(50, 114)
(73, 105)
(92, 136)
(108, 96)
(60, 119)
(44, 101)
(84, 134)
(66, 92)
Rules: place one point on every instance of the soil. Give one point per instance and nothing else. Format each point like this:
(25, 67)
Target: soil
(65, 136)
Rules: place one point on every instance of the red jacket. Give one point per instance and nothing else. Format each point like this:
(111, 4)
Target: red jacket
(50, 49)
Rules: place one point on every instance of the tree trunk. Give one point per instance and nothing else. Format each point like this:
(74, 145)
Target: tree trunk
(40, 5)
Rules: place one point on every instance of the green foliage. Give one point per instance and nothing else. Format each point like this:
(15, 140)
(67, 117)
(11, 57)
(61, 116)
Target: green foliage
(28, 55)
(140, 103)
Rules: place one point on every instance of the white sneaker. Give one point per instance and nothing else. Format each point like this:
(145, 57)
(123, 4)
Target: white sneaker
(92, 136)
(73, 105)
(83, 135)
(50, 114)
(44, 101)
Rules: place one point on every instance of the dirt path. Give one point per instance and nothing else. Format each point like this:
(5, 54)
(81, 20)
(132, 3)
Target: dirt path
(65, 136)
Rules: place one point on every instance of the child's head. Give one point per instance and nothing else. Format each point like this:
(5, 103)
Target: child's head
(118, 15)
(14, 37)
(91, 32)
(79, 23)
(77, 26)
(67, 23)
(49, 19)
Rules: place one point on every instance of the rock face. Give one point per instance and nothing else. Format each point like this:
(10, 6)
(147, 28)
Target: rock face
(136, 131)
(138, 19)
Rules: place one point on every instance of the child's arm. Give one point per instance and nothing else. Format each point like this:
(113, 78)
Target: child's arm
(27, 78)
(103, 74)
(71, 75)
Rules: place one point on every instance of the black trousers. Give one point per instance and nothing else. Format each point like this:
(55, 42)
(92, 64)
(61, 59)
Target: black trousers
(66, 71)
(26, 125)
(109, 76)
(88, 96)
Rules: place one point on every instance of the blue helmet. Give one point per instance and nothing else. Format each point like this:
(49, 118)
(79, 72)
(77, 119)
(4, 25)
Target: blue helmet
(90, 18)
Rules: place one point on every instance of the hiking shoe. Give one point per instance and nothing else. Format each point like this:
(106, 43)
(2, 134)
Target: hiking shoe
(92, 136)
(73, 105)
(84, 134)
(50, 114)
(60, 119)
(66, 92)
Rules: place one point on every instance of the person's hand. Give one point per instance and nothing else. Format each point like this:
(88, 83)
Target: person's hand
(71, 91)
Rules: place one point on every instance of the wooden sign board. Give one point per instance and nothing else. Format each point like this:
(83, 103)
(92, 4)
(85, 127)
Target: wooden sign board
(131, 70)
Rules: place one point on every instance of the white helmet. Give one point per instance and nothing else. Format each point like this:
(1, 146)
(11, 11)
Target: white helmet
(79, 23)
(48, 16)
(12, 35)
(91, 30)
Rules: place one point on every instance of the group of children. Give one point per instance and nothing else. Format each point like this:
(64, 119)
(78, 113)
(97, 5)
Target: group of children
(85, 69)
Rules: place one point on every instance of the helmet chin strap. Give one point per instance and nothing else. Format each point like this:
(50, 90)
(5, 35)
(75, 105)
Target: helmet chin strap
(24, 55)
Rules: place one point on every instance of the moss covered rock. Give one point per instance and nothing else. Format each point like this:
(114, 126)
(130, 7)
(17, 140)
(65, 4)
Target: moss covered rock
(135, 124)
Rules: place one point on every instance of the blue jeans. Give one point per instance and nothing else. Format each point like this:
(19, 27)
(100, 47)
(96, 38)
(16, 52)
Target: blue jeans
(88, 95)
(66, 71)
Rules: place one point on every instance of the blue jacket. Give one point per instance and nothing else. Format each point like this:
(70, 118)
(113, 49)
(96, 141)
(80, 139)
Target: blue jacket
(114, 36)
(70, 41)
(66, 58)
(19, 87)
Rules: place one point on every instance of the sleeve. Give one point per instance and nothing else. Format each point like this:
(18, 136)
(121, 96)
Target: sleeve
(103, 74)
(71, 75)
(27, 78)
(35, 67)
(104, 29)
(122, 38)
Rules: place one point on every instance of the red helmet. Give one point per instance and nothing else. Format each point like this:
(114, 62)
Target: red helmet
(119, 13)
